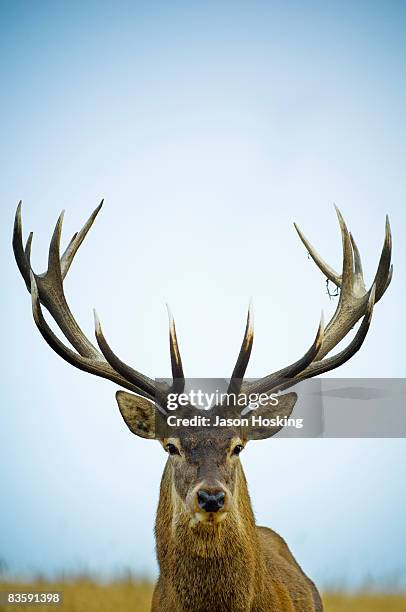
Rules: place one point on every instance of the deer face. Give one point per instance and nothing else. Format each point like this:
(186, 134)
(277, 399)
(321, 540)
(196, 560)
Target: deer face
(203, 463)
(205, 467)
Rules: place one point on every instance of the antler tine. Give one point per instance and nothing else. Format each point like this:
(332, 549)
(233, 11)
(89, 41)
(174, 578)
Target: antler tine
(388, 282)
(357, 257)
(384, 272)
(136, 378)
(347, 275)
(327, 270)
(178, 376)
(358, 272)
(27, 249)
(244, 354)
(18, 248)
(54, 260)
(76, 241)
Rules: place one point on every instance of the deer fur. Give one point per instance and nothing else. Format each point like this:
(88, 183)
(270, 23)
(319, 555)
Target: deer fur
(230, 566)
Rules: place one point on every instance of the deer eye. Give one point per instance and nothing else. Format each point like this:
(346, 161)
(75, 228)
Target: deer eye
(172, 450)
(237, 449)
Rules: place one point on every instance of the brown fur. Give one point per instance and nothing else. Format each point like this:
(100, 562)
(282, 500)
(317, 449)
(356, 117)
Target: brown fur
(231, 565)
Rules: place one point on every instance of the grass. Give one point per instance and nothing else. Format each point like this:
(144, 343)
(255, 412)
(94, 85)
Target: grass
(364, 602)
(85, 595)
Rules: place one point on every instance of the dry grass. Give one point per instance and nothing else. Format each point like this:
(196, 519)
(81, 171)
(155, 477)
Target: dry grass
(364, 603)
(84, 595)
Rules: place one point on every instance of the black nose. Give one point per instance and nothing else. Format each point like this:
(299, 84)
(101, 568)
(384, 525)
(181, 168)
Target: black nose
(210, 502)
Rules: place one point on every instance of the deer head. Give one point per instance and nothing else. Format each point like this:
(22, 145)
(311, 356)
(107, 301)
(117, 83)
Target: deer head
(204, 466)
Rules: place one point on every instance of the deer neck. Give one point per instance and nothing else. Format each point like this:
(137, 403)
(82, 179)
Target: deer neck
(198, 561)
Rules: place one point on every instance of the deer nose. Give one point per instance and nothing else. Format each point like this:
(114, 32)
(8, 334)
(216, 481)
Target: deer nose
(210, 502)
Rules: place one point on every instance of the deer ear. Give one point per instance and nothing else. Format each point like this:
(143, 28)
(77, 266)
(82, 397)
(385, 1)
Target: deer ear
(283, 408)
(138, 414)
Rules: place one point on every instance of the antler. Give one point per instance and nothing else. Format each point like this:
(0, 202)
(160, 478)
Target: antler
(354, 303)
(47, 289)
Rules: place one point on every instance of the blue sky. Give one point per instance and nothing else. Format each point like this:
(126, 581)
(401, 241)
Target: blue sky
(208, 129)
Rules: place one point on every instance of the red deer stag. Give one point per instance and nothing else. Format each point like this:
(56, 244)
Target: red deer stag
(211, 554)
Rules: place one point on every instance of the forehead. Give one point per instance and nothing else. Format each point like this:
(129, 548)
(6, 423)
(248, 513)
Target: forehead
(205, 441)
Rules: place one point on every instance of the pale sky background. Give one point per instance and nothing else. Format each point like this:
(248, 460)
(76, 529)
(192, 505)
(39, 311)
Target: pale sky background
(208, 129)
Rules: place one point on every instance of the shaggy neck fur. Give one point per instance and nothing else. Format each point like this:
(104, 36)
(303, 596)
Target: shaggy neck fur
(204, 566)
